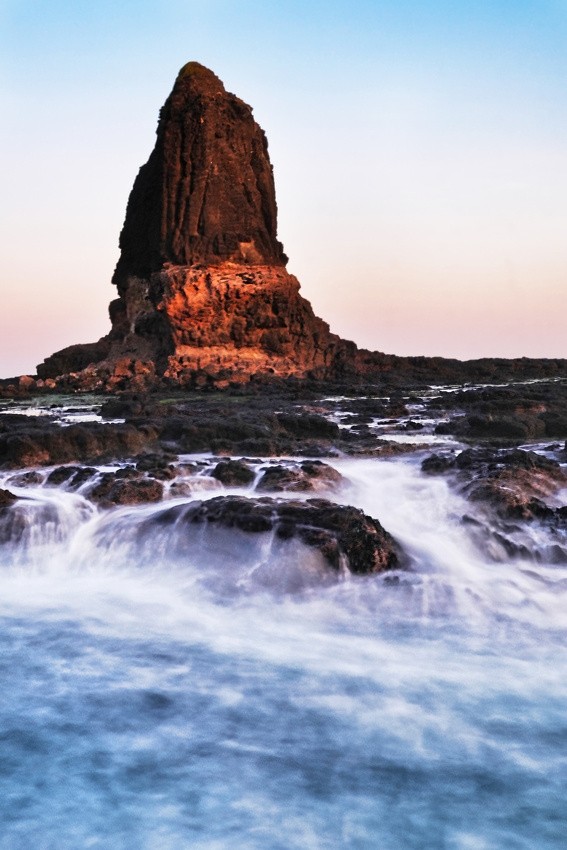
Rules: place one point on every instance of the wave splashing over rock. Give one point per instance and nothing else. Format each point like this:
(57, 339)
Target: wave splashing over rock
(177, 683)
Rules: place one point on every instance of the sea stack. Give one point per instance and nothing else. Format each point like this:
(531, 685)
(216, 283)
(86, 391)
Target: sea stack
(204, 297)
(206, 194)
(203, 292)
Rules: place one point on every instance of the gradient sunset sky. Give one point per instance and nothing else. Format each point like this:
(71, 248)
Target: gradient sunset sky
(419, 151)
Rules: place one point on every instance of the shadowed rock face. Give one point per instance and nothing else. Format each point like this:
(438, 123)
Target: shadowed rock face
(206, 194)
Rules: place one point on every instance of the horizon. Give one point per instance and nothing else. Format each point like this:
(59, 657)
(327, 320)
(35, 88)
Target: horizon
(420, 180)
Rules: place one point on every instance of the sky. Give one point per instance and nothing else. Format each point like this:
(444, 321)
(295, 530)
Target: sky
(419, 153)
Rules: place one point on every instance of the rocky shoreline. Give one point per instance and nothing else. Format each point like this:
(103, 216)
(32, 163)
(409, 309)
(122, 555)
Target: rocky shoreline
(264, 462)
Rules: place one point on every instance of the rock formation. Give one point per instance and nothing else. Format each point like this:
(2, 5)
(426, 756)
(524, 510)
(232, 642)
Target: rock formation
(203, 289)
(203, 293)
(206, 194)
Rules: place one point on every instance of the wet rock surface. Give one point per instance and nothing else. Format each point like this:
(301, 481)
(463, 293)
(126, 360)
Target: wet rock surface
(156, 431)
(126, 488)
(27, 479)
(516, 483)
(516, 413)
(233, 473)
(342, 534)
(258, 423)
(508, 488)
(308, 476)
(7, 498)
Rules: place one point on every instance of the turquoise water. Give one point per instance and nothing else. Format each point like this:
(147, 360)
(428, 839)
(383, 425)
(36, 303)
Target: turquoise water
(156, 696)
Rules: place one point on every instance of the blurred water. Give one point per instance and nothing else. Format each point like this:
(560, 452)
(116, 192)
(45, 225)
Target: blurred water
(167, 691)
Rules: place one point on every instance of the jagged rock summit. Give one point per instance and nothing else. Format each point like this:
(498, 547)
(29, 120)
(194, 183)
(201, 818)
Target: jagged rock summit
(204, 294)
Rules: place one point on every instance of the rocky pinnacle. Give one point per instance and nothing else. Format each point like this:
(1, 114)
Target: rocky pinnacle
(204, 296)
(206, 194)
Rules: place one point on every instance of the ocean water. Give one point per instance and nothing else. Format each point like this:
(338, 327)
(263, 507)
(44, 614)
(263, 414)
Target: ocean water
(162, 691)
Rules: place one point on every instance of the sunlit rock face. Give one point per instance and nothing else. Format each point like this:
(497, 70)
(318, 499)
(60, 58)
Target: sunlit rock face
(228, 321)
(201, 277)
(203, 289)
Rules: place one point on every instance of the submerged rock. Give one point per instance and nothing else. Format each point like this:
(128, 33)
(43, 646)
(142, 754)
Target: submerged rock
(516, 483)
(27, 479)
(437, 464)
(509, 489)
(60, 475)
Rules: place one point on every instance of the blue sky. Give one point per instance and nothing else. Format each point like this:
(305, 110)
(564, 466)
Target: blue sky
(419, 150)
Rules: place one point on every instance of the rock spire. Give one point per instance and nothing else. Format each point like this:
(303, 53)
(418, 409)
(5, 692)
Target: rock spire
(204, 297)
(203, 292)
(206, 194)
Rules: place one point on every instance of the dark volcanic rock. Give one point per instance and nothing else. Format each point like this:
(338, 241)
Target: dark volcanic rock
(206, 194)
(518, 489)
(204, 296)
(116, 489)
(516, 413)
(120, 408)
(233, 473)
(309, 476)
(73, 359)
(27, 479)
(508, 489)
(516, 484)
(337, 531)
(90, 441)
(81, 476)
(437, 464)
(7, 498)
(309, 425)
(72, 476)
(60, 475)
